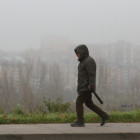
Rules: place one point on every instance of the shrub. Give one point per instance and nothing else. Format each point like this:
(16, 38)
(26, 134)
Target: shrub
(19, 109)
(1, 109)
(42, 109)
(58, 106)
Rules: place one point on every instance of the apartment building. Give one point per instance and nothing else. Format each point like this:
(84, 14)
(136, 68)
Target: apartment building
(121, 58)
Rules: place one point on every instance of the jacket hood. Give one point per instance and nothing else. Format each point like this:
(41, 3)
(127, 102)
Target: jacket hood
(83, 51)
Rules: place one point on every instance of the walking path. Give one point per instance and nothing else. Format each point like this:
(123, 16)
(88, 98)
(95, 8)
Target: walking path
(91, 131)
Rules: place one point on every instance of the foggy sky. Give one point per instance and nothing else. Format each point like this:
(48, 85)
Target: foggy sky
(24, 22)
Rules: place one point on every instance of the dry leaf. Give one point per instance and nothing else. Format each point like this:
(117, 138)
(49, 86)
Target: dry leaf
(14, 120)
(4, 117)
(62, 116)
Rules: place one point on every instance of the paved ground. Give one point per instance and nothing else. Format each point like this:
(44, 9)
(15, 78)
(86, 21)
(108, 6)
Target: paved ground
(110, 131)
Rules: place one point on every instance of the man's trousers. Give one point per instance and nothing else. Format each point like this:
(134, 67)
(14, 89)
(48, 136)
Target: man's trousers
(86, 97)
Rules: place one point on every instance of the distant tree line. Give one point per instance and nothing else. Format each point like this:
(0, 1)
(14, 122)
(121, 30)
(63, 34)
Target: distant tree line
(29, 82)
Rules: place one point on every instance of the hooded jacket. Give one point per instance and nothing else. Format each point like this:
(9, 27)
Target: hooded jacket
(86, 70)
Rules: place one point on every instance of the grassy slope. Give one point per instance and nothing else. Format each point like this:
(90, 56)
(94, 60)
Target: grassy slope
(116, 116)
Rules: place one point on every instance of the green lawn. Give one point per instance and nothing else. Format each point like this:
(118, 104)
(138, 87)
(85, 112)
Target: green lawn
(116, 116)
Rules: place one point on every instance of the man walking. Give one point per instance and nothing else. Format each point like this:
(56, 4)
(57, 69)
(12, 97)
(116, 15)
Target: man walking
(86, 85)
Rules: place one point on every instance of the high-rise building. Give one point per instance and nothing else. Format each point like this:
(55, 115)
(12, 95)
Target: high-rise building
(53, 48)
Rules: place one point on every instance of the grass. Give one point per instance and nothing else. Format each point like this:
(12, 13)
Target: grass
(116, 117)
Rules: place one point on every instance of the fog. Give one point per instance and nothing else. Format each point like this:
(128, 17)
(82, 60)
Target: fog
(24, 22)
(37, 59)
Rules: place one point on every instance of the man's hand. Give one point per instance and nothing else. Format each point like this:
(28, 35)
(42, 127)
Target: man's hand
(90, 89)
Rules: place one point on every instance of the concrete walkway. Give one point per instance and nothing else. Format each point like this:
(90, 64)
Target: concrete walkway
(92, 131)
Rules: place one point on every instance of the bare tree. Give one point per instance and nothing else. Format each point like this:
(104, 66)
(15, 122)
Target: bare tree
(135, 88)
(40, 77)
(8, 84)
(31, 83)
(55, 83)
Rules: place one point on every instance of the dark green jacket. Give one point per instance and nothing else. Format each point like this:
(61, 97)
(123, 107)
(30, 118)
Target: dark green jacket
(86, 69)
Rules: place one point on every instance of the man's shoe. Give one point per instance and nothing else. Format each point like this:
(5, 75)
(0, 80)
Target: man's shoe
(105, 118)
(78, 124)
